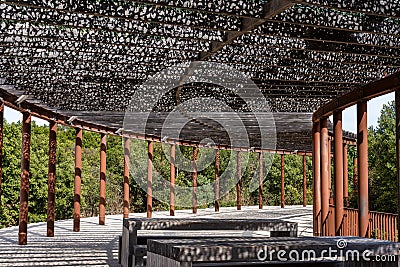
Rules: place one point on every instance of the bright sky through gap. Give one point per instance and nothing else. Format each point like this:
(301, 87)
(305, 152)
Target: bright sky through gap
(349, 115)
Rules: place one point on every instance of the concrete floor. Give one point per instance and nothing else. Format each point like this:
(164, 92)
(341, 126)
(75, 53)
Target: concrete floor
(97, 245)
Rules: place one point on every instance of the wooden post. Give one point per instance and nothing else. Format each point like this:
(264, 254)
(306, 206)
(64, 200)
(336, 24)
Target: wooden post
(239, 183)
(338, 157)
(172, 182)
(25, 175)
(1, 148)
(362, 145)
(316, 160)
(345, 175)
(261, 181)
(216, 204)
(103, 169)
(194, 180)
(149, 179)
(127, 152)
(324, 177)
(397, 110)
(282, 181)
(51, 184)
(77, 180)
(304, 181)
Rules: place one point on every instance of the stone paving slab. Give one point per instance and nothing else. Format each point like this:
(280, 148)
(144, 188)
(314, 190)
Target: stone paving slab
(97, 245)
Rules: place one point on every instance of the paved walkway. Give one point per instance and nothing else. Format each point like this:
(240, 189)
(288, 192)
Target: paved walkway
(97, 245)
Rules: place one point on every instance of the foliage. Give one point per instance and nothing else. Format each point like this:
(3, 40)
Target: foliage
(382, 162)
(9, 212)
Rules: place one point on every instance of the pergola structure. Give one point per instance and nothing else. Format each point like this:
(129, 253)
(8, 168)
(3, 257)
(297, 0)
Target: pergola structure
(80, 63)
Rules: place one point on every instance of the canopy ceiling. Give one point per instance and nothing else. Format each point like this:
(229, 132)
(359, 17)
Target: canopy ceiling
(88, 58)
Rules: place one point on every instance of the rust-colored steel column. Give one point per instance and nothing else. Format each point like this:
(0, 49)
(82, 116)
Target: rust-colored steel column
(194, 180)
(172, 182)
(355, 176)
(324, 177)
(239, 183)
(1, 146)
(397, 108)
(362, 147)
(261, 181)
(127, 152)
(103, 169)
(316, 161)
(338, 157)
(149, 179)
(77, 180)
(51, 183)
(304, 181)
(330, 170)
(25, 175)
(282, 181)
(345, 176)
(216, 180)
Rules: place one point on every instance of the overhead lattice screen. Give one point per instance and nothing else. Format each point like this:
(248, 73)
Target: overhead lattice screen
(89, 57)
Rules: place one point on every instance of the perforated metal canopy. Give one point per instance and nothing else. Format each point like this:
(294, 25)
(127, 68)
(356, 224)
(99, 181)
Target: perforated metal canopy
(88, 58)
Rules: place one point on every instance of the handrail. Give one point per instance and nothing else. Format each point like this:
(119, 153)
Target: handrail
(364, 93)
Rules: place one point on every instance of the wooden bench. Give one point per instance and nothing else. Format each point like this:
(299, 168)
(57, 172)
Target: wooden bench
(137, 231)
(251, 252)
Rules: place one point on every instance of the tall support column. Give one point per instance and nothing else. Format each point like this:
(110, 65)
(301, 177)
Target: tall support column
(355, 176)
(127, 152)
(25, 175)
(103, 169)
(282, 181)
(149, 179)
(324, 177)
(216, 180)
(397, 108)
(330, 170)
(239, 183)
(261, 181)
(338, 157)
(77, 180)
(316, 161)
(304, 181)
(362, 145)
(345, 176)
(172, 182)
(51, 183)
(1, 147)
(194, 180)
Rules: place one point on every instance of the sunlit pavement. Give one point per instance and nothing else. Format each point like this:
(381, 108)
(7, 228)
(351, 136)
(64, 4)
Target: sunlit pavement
(97, 245)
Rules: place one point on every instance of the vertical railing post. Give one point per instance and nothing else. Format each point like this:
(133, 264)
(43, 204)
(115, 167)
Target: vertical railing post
(261, 180)
(103, 169)
(25, 175)
(127, 152)
(282, 180)
(172, 182)
(338, 158)
(345, 175)
(316, 161)
(397, 108)
(194, 180)
(51, 183)
(239, 183)
(324, 176)
(304, 181)
(362, 143)
(149, 206)
(77, 180)
(217, 169)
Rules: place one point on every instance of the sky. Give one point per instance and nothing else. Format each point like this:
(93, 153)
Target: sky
(349, 115)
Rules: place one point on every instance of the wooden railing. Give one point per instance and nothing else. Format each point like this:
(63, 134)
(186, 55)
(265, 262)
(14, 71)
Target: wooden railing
(381, 225)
